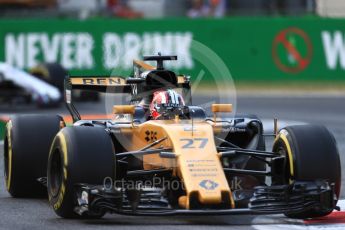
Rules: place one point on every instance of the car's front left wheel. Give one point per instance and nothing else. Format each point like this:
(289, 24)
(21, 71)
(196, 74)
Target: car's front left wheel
(78, 155)
(311, 155)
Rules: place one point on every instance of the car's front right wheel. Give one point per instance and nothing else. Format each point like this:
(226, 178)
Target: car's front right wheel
(26, 147)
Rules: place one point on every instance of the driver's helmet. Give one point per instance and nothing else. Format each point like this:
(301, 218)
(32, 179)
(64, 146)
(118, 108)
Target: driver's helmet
(165, 101)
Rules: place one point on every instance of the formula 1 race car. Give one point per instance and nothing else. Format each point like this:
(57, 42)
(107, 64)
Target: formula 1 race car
(42, 85)
(19, 86)
(184, 163)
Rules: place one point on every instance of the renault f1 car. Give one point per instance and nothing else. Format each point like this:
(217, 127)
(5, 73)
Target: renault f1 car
(184, 164)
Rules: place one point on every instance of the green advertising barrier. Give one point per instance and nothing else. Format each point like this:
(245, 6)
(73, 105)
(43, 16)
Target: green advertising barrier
(259, 49)
(2, 129)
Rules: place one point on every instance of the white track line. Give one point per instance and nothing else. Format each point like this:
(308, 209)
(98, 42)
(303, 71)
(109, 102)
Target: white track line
(289, 94)
(299, 224)
(299, 227)
(341, 204)
(279, 93)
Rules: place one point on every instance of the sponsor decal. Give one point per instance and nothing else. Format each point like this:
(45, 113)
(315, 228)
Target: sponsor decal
(334, 49)
(109, 81)
(292, 50)
(231, 129)
(72, 50)
(208, 184)
(189, 128)
(150, 136)
(102, 81)
(78, 50)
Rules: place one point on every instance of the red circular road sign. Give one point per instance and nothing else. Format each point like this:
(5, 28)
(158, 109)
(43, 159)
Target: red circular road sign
(292, 50)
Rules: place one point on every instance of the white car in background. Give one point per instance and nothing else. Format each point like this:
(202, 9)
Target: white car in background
(42, 85)
(18, 86)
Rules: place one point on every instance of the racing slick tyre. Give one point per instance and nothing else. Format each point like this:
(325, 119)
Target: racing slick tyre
(312, 155)
(26, 148)
(52, 73)
(79, 154)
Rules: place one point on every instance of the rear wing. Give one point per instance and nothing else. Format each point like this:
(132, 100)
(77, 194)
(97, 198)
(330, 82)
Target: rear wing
(148, 77)
(99, 83)
(103, 84)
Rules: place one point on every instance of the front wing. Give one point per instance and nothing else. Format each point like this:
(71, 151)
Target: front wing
(296, 197)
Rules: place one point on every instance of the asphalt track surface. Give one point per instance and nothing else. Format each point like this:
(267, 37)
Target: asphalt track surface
(328, 111)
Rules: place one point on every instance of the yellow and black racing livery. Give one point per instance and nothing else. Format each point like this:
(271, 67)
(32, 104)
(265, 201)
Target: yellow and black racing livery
(184, 163)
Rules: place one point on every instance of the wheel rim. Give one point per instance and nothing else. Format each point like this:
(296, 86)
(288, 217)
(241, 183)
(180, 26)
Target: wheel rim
(55, 173)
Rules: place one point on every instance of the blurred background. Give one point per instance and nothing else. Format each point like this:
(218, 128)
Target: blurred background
(261, 41)
(278, 50)
(272, 48)
(165, 8)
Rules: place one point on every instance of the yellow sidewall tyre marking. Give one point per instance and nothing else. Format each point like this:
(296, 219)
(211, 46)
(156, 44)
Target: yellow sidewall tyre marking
(9, 142)
(64, 147)
(42, 70)
(58, 200)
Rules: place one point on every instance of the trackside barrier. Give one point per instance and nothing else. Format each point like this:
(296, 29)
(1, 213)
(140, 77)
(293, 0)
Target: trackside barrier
(254, 49)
